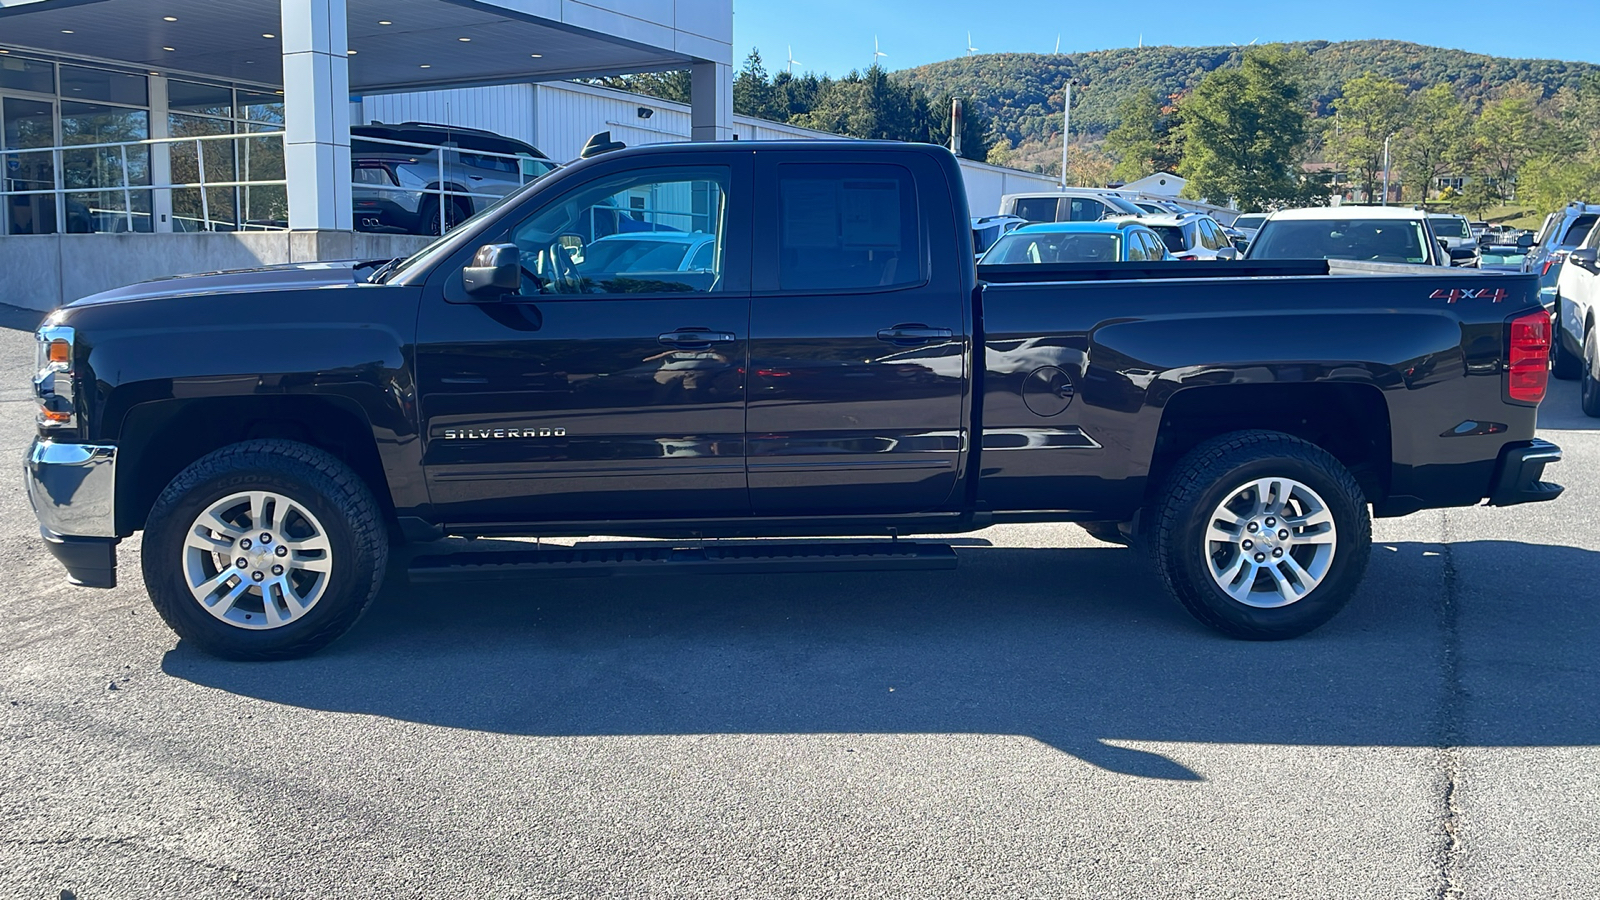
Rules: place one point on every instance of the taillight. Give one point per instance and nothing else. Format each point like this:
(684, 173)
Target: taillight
(1528, 362)
(1189, 258)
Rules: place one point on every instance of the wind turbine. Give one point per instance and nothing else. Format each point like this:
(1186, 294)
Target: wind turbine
(792, 61)
(876, 53)
(970, 49)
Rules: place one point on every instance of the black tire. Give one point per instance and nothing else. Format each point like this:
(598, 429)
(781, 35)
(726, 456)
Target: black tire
(1589, 384)
(428, 215)
(1208, 476)
(1564, 365)
(334, 494)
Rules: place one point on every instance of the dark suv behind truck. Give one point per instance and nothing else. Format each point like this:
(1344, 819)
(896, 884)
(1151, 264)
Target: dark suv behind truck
(834, 365)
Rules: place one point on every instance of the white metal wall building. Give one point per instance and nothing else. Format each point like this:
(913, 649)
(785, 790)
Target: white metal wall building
(559, 117)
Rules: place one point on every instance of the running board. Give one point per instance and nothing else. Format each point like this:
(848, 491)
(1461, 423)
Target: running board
(661, 558)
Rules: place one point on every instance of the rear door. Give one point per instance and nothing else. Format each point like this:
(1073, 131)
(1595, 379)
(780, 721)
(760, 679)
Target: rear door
(858, 335)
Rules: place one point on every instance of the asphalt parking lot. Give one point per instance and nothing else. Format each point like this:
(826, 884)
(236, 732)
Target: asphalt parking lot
(1041, 722)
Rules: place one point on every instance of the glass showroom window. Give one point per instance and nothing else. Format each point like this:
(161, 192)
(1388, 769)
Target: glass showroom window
(200, 110)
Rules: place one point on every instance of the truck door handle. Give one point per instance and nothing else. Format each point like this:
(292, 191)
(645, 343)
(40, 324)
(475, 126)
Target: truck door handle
(696, 338)
(912, 334)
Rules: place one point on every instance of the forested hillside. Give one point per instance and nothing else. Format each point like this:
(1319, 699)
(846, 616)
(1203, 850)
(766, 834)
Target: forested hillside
(1020, 93)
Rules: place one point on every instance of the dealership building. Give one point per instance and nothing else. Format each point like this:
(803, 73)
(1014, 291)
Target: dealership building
(143, 138)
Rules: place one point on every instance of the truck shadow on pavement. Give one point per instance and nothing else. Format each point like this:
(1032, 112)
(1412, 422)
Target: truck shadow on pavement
(1077, 648)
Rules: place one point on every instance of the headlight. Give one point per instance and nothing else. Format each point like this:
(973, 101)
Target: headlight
(52, 379)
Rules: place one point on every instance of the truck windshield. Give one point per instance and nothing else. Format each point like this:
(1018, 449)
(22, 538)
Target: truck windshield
(1046, 247)
(1374, 240)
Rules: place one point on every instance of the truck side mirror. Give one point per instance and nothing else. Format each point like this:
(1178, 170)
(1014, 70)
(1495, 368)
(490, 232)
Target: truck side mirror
(496, 270)
(1584, 257)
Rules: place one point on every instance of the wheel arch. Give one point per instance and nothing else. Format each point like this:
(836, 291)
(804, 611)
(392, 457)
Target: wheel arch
(1347, 419)
(159, 439)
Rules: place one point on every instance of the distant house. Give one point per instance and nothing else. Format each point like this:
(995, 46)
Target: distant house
(1162, 184)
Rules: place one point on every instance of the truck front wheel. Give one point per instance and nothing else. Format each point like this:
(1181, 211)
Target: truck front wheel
(267, 549)
(1261, 535)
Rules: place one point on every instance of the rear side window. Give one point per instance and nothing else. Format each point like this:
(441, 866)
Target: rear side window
(847, 227)
(1579, 228)
(1037, 209)
(1172, 236)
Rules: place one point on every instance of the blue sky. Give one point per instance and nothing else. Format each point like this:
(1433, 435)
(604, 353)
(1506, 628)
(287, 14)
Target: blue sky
(835, 36)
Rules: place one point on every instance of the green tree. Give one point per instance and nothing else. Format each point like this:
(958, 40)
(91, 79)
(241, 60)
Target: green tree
(1435, 141)
(1371, 110)
(752, 91)
(1144, 141)
(1244, 131)
(1507, 134)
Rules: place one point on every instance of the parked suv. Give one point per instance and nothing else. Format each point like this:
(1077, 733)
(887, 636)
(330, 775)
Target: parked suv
(470, 169)
(1563, 230)
(1083, 205)
(1385, 234)
(1456, 233)
(1574, 352)
(1193, 236)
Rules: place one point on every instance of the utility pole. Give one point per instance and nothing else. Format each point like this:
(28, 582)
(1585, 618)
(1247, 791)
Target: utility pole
(956, 122)
(1386, 170)
(1066, 130)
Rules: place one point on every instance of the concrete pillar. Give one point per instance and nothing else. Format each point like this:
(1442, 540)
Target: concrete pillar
(711, 101)
(316, 110)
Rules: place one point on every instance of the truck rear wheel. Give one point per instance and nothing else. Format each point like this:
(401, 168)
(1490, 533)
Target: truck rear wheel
(267, 549)
(1261, 535)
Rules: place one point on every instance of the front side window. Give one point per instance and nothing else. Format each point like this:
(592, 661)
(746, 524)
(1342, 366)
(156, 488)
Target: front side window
(847, 227)
(1085, 210)
(632, 233)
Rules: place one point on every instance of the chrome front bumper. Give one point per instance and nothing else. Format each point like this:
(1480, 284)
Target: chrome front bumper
(73, 491)
(73, 487)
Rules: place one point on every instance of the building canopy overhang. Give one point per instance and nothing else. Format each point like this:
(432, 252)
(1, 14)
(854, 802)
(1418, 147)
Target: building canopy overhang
(395, 45)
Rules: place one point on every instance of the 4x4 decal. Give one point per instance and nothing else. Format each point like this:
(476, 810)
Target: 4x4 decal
(1453, 294)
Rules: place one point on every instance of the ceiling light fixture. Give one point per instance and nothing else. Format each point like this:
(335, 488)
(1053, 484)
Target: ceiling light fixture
(68, 31)
(424, 66)
(349, 53)
(537, 55)
(269, 35)
(385, 22)
(464, 40)
(169, 18)
(170, 49)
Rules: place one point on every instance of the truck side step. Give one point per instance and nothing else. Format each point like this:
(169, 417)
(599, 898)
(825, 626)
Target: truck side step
(660, 557)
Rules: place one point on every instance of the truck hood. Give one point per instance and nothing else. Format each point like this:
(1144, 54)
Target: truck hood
(294, 276)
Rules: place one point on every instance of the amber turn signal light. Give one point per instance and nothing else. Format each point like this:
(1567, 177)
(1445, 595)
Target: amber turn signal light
(51, 415)
(60, 352)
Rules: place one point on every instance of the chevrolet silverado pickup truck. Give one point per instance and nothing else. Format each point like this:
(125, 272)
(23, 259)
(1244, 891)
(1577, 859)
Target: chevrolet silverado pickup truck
(805, 349)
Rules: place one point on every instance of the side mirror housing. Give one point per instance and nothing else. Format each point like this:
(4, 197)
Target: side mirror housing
(1584, 257)
(1524, 241)
(496, 270)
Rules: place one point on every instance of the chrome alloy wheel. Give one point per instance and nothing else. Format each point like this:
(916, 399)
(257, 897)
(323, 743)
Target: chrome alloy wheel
(257, 560)
(1270, 543)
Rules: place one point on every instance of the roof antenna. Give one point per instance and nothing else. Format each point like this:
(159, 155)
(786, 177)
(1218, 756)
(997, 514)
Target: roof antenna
(600, 143)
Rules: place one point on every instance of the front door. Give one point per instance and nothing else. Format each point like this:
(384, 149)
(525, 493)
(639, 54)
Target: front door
(858, 339)
(612, 385)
